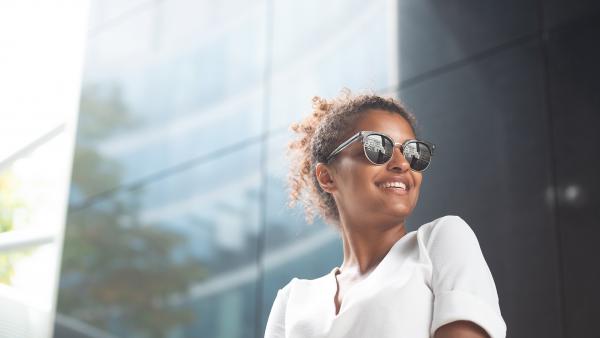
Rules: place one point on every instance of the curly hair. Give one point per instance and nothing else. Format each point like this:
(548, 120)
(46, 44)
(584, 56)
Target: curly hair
(318, 135)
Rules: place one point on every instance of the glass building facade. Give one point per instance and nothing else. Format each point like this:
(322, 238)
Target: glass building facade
(177, 222)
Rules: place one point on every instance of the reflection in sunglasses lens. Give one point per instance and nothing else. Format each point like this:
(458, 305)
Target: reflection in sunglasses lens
(379, 149)
(418, 155)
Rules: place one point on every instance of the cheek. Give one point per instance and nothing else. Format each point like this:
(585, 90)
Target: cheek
(349, 185)
(360, 186)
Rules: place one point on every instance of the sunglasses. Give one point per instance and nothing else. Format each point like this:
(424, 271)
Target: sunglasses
(379, 149)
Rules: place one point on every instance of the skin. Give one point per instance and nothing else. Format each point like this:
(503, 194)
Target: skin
(372, 219)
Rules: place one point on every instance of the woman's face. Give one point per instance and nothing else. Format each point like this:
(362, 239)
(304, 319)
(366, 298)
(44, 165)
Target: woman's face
(359, 188)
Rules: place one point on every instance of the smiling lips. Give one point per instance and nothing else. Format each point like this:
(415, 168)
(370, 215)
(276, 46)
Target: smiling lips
(396, 187)
(393, 185)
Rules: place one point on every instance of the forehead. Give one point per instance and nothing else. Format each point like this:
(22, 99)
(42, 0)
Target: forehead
(391, 124)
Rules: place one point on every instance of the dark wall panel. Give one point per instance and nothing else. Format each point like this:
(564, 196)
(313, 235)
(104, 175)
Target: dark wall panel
(574, 84)
(564, 12)
(492, 169)
(436, 33)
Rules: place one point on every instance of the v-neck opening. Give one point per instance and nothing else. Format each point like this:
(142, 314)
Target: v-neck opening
(381, 265)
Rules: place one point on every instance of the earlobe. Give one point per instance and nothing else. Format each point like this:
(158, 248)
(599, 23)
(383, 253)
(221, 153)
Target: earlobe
(324, 177)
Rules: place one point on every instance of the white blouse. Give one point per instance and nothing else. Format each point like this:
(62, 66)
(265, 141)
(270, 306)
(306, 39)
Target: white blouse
(430, 277)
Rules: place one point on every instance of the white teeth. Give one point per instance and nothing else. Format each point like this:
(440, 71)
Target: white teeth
(393, 185)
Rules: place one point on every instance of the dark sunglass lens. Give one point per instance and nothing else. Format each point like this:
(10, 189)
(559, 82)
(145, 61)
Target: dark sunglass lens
(378, 148)
(418, 155)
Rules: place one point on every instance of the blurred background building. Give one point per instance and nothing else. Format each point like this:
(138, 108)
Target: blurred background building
(177, 224)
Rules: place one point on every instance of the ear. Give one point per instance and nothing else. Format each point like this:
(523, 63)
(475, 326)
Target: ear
(324, 176)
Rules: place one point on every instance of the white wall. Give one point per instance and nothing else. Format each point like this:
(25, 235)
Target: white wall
(41, 60)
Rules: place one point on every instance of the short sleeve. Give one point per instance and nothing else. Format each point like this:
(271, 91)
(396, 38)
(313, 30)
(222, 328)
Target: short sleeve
(276, 323)
(462, 283)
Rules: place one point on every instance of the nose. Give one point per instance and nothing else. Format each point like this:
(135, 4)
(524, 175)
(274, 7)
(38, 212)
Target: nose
(398, 162)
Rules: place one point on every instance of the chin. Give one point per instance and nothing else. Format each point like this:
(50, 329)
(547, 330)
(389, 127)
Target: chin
(398, 212)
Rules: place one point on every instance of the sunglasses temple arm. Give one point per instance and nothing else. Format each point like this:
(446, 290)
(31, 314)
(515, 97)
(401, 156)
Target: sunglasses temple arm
(343, 145)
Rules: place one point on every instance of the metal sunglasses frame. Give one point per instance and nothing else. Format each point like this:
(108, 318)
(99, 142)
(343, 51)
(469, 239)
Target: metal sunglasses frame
(365, 133)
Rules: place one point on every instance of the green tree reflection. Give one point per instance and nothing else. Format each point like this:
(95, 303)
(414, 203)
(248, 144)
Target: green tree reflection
(118, 273)
(10, 204)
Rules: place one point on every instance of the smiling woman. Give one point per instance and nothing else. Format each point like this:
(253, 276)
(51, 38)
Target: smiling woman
(330, 123)
(359, 165)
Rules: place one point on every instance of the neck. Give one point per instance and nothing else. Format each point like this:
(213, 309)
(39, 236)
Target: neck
(366, 244)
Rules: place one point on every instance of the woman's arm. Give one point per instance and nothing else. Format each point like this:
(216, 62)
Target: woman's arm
(461, 329)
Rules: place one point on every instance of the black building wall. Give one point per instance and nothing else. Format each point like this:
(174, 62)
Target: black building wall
(509, 91)
(572, 53)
